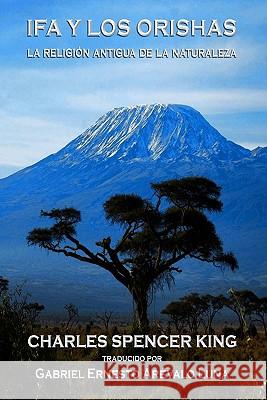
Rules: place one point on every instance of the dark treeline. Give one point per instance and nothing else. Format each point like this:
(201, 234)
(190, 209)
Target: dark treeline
(18, 320)
(194, 312)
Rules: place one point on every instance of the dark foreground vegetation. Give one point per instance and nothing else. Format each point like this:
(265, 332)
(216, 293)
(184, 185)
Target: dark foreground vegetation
(192, 314)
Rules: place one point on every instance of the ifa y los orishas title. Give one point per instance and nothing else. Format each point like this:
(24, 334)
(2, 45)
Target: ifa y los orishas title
(124, 27)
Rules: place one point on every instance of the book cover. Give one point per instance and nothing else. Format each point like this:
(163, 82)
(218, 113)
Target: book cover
(133, 204)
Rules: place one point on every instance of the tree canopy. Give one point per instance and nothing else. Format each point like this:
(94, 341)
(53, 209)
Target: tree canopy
(157, 235)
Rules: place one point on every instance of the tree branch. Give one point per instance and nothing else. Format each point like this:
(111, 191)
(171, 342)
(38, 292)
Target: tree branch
(92, 259)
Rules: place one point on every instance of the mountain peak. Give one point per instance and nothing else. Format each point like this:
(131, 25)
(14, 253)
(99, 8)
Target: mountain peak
(152, 132)
(156, 107)
(259, 152)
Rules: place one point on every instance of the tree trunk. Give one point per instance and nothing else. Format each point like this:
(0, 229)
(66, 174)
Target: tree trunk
(264, 326)
(143, 321)
(141, 303)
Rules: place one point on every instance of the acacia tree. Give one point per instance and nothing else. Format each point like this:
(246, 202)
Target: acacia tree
(105, 318)
(194, 310)
(259, 311)
(242, 303)
(214, 305)
(73, 315)
(177, 312)
(187, 312)
(156, 236)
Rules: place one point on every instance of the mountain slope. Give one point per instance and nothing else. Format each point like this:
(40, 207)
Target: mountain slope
(155, 132)
(129, 135)
(124, 151)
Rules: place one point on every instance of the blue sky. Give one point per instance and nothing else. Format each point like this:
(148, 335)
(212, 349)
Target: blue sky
(46, 103)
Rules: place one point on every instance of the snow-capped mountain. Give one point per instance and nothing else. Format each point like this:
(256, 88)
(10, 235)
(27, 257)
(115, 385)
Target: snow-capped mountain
(151, 132)
(124, 151)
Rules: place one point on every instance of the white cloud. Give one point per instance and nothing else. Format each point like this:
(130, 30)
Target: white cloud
(217, 101)
(27, 139)
(252, 145)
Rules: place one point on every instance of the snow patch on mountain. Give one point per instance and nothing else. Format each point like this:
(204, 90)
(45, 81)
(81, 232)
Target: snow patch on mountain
(152, 132)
